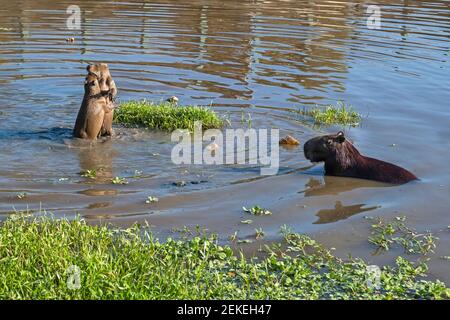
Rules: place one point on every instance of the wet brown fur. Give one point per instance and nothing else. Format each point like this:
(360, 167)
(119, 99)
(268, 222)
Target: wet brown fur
(343, 159)
(109, 89)
(93, 109)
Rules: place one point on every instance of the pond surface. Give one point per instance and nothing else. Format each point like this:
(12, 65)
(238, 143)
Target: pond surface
(263, 58)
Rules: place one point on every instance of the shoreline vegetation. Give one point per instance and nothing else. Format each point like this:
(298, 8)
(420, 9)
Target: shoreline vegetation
(342, 114)
(166, 116)
(41, 256)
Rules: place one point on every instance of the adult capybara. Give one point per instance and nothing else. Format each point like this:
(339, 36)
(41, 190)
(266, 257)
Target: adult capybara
(342, 159)
(93, 109)
(109, 90)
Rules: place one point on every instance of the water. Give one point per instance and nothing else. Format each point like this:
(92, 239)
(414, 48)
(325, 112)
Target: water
(264, 58)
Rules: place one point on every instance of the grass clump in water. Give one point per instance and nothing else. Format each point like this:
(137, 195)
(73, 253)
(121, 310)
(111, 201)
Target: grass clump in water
(40, 256)
(341, 114)
(386, 234)
(166, 116)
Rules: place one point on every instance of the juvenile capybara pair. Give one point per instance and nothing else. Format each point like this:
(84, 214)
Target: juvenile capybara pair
(96, 113)
(343, 159)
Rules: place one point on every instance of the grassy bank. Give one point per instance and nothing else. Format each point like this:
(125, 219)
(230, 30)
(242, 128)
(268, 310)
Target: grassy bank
(165, 116)
(341, 114)
(37, 257)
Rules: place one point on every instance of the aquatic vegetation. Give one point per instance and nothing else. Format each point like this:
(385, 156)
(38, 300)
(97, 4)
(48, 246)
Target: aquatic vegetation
(151, 199)
(21, 214)
(341, 114)
(259, 233)
(21, 195)
(257, 211)
(44, 258)
(386, 234)
(166, 116)
(119, 180)
(233, 237)
(89, 174)
(247, 121)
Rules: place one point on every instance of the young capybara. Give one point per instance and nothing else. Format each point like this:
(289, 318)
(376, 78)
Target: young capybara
(109, 90)
(93, 109)
(342, 159)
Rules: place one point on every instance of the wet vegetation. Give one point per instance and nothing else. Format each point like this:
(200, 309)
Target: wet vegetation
(119, 180)
(60, 259)
(257, 211)
(386, 234)
(91, 173)
(166, 116)
(342, 114)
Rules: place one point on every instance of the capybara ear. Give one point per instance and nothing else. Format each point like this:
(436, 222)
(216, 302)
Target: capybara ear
(89, 67)
(340, 137)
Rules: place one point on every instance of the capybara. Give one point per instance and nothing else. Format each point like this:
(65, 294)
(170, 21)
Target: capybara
(342, 159)
(93, 109)
(108, 88)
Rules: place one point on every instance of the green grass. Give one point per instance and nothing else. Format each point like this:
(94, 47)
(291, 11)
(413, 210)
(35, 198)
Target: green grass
(166, 116)
(341, 114)
(39, 255)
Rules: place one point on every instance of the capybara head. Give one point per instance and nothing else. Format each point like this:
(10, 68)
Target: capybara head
(104, 77)
(91, 85)
(334, 147)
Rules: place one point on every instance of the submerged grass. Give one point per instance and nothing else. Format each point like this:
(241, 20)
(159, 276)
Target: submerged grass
(341, 114)
(41, 257)
(166, 116)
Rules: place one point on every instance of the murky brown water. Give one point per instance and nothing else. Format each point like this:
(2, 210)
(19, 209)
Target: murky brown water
(259, 57)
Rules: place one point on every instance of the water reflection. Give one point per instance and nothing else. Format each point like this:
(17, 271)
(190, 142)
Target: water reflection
(341, 212)
(336, 185)
(241, 52)
(227, 50)
(97, 156)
